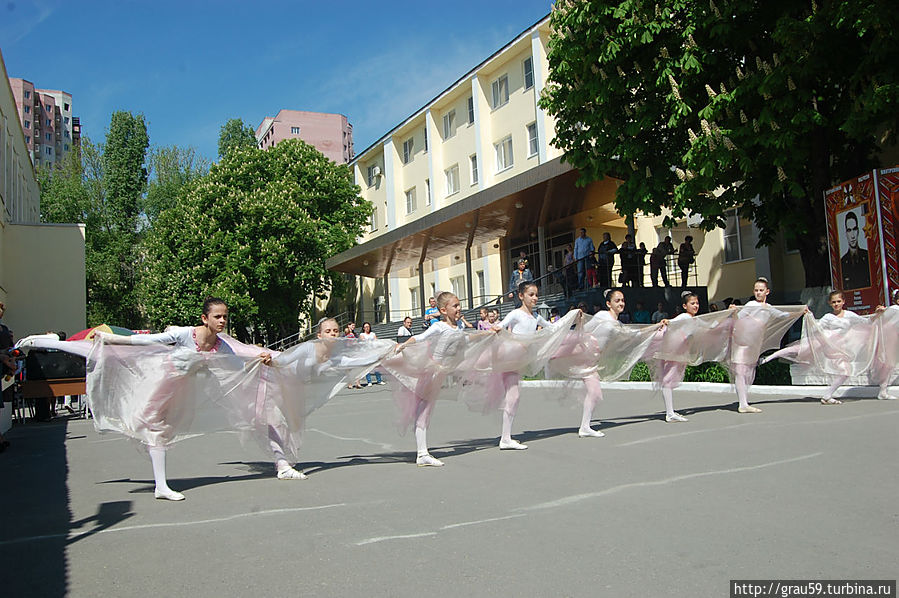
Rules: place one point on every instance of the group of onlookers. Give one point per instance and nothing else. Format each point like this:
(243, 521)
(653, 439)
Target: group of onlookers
(593, 265)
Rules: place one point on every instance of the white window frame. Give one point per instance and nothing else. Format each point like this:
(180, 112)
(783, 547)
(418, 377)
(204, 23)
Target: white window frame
(408, 150)
(425, 133)
(500, 89)
(415, 294)
(371, 174)
(449, 124)
(737, 235)
(294, 130)
(451, 175)
(482, 283)
(410, 201)
(473, 166)
(528, 72)
(533, 140)
(502, 149)
(427, 192)
(457, 283)
(470, 110)
(374, 219)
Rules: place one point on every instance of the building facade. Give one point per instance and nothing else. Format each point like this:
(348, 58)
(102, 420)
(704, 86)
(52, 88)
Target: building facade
(470, 180)
(42, 275)
(51, 132)
(331, 134)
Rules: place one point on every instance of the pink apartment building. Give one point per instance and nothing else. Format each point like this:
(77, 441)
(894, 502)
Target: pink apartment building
(51, 132)
(331, 134)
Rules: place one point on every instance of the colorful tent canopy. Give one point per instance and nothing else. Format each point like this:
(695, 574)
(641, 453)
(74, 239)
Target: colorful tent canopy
(89, 333)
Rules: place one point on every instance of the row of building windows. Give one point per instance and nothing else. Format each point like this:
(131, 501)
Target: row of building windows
(500, 97)
(457, 283)
(503, 156)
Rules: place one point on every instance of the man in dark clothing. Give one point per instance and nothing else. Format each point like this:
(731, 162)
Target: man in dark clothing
(606, 254)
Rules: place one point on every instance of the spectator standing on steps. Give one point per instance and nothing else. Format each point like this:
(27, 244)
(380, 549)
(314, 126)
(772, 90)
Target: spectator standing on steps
(583, 250)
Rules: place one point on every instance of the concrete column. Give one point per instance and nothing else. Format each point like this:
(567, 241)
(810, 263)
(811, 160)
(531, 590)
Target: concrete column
(389, 178)
(434, 153)
(541, 249)
(421, 289)
(537, 55)
(468, 277)
(481, 133)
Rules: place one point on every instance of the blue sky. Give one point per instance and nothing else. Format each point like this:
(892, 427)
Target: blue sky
(189, 66)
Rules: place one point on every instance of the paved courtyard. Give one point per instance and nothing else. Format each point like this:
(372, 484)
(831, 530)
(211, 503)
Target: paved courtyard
(653, 509)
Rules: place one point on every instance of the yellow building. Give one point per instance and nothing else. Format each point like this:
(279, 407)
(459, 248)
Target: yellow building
(470, 179)
(41, 265)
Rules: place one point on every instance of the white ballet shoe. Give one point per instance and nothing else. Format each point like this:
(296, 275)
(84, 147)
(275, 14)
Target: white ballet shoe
(168, 494)
(589, 433)
(291, 474)
(428, 461)
(749, 409)
(512, 445)
(831, 401)
(675, 417)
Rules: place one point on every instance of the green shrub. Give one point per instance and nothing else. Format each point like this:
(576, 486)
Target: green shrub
(773, 373)
(640, 373)
(706, 372)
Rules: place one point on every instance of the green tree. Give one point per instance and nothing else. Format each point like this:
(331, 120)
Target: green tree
(704, 107)
(63, 193)
(101, 186)
(112, 236)
(255, 231)
(171, 170)
(235, 134)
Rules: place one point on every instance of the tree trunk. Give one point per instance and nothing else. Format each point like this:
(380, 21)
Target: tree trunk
(813, 244)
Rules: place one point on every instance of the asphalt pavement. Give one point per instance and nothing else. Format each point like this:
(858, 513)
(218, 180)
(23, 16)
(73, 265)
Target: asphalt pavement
(800, 490)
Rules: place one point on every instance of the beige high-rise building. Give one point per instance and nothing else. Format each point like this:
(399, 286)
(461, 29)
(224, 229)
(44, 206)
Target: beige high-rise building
(331, 134)
(51, 132)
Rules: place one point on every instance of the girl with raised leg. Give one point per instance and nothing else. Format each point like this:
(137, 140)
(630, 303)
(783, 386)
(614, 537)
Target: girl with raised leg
(159, 419)
(161, 416)
(841, 344)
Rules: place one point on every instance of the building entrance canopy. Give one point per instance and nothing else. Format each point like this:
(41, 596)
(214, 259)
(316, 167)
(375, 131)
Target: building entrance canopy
(542, 197)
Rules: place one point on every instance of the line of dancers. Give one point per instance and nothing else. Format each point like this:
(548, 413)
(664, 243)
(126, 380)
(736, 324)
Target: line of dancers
(161, 388)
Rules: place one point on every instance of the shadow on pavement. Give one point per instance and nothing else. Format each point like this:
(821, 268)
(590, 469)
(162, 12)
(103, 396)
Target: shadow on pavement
(35, 502)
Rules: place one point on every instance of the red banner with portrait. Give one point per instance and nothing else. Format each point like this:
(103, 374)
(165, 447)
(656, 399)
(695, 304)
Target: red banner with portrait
(855, 242)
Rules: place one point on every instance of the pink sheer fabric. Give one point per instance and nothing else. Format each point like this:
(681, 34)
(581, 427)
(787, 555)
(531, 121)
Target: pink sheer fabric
(757, 327)
(690, 341)
(159, 394)
(423, 367)
(836, 346)
(886, 362)
(621, 346)
(507, 353)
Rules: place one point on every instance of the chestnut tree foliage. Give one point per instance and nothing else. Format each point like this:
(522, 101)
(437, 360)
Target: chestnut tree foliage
(703, 106)
(255, 231)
